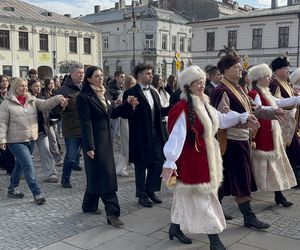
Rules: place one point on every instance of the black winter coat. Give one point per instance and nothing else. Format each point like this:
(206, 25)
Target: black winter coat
(141, 146)
(95, 127)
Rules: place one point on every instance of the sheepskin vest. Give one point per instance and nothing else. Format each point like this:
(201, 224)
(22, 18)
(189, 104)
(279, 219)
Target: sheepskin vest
(198, 167)
(268, 136)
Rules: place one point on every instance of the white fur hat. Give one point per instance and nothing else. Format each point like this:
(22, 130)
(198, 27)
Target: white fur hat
(259, 71)
(295, 76)
(190, 74)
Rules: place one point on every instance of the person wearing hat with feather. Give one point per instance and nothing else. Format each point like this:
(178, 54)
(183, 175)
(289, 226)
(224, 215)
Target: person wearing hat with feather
(193, 155)
(271, 167)
(281, 88)
(234, 142)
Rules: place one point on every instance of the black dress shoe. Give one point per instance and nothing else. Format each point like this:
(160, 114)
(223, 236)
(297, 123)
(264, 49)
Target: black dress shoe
(77, 168)
(66, 184)
(145, 202)
(154, 198)
(97, 211)
(174, 231)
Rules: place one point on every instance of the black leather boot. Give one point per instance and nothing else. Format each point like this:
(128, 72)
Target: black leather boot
(250, 219)
(215, 242)
(174, 231)
(280, 199)
(297, 175)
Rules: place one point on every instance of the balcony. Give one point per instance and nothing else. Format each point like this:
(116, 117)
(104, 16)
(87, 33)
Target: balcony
(149, 51)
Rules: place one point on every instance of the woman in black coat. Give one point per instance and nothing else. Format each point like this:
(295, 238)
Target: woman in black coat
(94, 113)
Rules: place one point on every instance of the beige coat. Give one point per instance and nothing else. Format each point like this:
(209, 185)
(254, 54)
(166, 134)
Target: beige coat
(19, 123)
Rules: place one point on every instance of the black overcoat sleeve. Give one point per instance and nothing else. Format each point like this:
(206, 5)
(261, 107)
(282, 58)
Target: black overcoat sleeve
(82, 105)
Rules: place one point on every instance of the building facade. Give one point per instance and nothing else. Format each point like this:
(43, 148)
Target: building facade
(262, 35)
(31, 37)
(154, 37)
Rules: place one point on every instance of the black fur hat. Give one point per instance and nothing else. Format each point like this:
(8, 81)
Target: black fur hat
(279, 63)
(229, 59)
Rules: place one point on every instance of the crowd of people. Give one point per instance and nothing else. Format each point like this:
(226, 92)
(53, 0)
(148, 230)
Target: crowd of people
(221, 131)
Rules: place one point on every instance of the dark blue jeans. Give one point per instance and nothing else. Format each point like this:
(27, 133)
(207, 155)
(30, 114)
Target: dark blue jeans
(73, 146)
(22, 153)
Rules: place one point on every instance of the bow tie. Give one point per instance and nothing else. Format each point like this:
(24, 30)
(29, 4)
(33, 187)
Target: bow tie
(146, 88)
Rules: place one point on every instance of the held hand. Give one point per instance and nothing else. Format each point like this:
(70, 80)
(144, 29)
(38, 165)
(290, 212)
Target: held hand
(118, 101)
(167, 173)
(3, 146)
(63, 101)
(132, 101)
(280, 114)
(252, 122)
(91, 154)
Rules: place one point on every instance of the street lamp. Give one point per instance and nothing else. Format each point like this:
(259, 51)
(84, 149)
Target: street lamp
(133, 34)
(298, 39)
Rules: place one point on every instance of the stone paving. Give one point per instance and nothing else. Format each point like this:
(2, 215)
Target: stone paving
(60, 223)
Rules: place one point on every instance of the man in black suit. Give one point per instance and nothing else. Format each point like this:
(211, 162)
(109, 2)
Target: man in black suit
(215, 78)
(146, 136)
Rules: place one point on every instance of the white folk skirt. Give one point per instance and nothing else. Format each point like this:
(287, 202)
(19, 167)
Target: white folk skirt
(197, 213)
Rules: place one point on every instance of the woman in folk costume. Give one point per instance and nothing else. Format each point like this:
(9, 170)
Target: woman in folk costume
(271, 167)
(193, 155)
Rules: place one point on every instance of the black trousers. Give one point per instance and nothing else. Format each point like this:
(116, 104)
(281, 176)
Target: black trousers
(110, 201)
(151, 182)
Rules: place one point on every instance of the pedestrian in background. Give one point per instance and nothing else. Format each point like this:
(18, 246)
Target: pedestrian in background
(7, 160)
(42, 142)
(19, 130)
(94, 113)
(121, 165)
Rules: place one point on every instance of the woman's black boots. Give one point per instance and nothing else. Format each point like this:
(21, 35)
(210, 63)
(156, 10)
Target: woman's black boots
(174, 231)
(215, 242)
(280, 199)
(250, 219)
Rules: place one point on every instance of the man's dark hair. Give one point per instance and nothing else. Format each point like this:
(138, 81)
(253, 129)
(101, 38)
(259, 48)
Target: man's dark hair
(140, 68)
(118, 73)
(213, 70)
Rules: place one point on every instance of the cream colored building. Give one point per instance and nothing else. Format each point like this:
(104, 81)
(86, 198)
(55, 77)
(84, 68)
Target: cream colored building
(31, 37)
(262, 35)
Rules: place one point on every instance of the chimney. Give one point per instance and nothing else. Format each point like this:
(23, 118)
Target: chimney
(97, 9)
(67, 15)
(117, 6)
(122, 4)
(274, 4)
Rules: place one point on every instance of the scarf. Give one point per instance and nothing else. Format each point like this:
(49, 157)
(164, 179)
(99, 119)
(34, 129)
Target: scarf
(100, 91)
(21, 99)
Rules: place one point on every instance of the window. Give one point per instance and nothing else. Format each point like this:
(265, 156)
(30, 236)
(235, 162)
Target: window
(174, 43)
(87, 45)
(232, 38)
(23, 71)
(105, 43)
(23, 40)
(73, 44)
(283, 40)
(210, 41)
(257, 39)
(7, 70)
(164, 40)
(106, 70)
(149, 42)
(181, 44)
(4, 39)
(44, 42)
(189, 45)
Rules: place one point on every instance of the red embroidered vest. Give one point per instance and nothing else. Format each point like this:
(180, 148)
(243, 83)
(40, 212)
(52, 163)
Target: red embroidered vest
(264, 136)
(192, 166)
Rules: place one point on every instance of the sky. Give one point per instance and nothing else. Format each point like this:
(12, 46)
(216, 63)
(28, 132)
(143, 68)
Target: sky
(84, 7)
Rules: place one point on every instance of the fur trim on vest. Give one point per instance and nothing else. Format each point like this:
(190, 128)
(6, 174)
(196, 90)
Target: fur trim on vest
(208, 118)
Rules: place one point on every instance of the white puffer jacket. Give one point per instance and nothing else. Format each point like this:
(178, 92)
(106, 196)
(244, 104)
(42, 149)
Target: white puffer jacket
(19, 123)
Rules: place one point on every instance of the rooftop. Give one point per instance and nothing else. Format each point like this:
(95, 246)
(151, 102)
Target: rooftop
(16, 9)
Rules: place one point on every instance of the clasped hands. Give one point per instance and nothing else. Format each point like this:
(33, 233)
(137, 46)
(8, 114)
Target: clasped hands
(133, 101)
(63, 102)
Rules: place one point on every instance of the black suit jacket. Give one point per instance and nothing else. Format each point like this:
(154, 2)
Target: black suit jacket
(142, 147)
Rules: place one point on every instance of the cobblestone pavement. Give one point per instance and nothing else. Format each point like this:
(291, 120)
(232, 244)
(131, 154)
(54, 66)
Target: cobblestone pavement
(24, 225)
